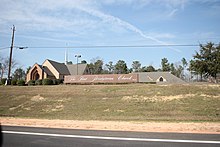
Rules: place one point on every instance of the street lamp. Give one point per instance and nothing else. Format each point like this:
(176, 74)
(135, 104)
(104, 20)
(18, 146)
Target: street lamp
(77, 58)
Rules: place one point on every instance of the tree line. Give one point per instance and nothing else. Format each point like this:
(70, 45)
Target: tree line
(205, 63)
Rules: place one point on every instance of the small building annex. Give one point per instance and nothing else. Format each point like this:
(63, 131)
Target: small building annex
(55, 70)
(159, 78)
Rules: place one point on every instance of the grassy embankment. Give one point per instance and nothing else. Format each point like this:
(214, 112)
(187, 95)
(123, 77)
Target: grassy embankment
(129, 102)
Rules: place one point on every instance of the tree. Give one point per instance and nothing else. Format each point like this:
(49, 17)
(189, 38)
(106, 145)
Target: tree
(172, 69)
(165, 64)
(177, 69)
(91, 68)
(83, 62)
(121, 67)
(136, 66)
(96, 66)
(110, 67)
(28, 69)
(4, 66)
(207, 61)
(184, 64)
(19, 74)
(150, 69)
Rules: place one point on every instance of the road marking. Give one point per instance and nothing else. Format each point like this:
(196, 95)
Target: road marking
(114, 138)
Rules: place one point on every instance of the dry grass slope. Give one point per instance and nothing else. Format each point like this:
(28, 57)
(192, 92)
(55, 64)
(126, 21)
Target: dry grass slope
(129, 102)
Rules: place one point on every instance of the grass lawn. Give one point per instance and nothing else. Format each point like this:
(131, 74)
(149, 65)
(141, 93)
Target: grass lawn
(127, 102)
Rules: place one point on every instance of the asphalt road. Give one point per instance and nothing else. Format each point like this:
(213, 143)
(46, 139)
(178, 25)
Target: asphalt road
(45, 137)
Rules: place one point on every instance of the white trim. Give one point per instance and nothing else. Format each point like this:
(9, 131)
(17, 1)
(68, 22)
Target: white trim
(158, 80)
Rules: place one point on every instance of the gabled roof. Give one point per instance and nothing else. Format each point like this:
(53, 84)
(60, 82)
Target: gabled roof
(40, 66)
(47, 71)
(73, 68)
(154, 76)
(60, 67)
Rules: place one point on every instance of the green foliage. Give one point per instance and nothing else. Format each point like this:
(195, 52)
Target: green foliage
(83, 62)
(207, 61)
(19, 74)
(136, 66)
(57, 81)
(165, 64)
(31, 83)
(47, 82)
(121, 67)
(38, 82)
(110, 67)
(177, 71)
(14, 82)
(96, 66)
(150, 69)
(3, 80)
(21, 82)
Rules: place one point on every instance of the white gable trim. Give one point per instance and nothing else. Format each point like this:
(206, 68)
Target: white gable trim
(158, 80)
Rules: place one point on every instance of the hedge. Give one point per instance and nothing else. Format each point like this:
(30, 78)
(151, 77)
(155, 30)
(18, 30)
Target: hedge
(14, 82)
(38, 82)
(2, 81)
(57, 81)
(31, 83)
(21, 82)
(47, 82)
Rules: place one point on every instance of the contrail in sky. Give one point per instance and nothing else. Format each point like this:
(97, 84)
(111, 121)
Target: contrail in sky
(118, 21)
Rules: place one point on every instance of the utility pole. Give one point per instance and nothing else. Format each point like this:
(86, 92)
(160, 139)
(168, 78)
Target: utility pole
(10, 58)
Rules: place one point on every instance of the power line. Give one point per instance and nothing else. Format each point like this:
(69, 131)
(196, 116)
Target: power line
(116, 46)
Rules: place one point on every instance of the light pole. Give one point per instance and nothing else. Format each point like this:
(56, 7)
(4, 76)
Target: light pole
(77, 58)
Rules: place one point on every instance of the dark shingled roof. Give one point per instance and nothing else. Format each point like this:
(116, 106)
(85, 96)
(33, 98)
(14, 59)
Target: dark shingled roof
(60, 67)
(48, 72)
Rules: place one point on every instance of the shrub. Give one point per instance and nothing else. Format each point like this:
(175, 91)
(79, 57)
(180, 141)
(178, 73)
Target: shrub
(14, 82)
(47, 82)
(3, 80)
(57, 81)
(31, 83)
(38, 82)
(21, 82)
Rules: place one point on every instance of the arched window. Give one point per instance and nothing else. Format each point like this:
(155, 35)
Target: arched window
(161, 79)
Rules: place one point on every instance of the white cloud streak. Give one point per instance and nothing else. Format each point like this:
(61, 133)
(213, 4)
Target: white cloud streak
(118, 21)
(34, 14)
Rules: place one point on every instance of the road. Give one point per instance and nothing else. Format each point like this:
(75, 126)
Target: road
(46, 137)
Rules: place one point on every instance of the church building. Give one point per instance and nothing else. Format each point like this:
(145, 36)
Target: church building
(55, 70)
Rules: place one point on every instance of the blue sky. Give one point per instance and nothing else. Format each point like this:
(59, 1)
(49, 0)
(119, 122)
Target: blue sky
(71, 23)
